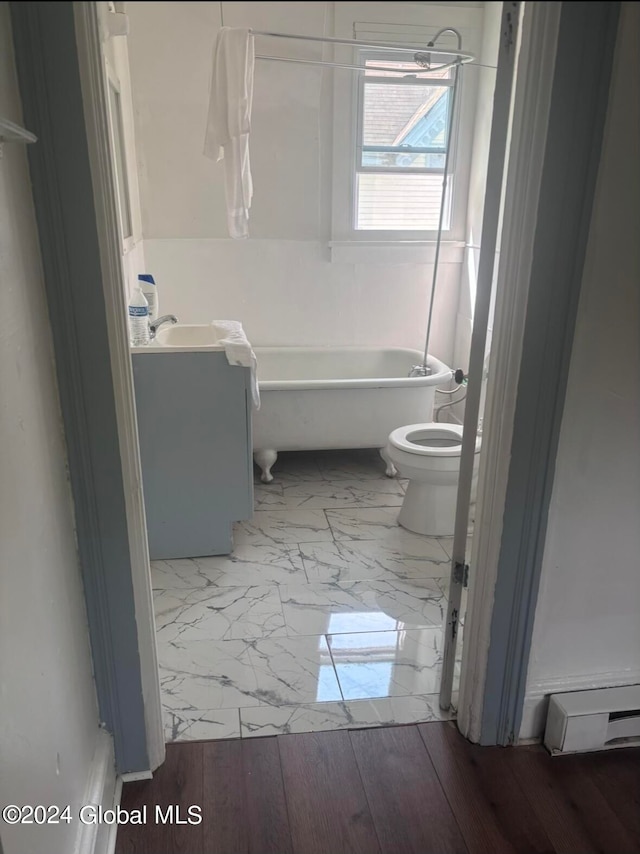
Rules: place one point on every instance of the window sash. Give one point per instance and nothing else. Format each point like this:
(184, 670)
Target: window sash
(366, 222)
(403, 149)
(398, 170)
(442, 83)
(362, 148)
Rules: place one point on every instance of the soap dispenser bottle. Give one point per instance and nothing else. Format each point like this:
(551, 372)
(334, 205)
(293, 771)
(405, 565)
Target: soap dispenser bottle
(147, 285)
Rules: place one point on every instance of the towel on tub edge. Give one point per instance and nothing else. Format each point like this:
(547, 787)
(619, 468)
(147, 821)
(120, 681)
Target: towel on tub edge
(239, 351)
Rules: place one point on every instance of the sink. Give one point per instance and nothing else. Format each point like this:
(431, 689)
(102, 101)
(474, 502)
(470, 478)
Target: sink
(186, 335)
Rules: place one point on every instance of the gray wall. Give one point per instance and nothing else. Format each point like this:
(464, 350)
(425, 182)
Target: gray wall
(49, 79)
(49, 715)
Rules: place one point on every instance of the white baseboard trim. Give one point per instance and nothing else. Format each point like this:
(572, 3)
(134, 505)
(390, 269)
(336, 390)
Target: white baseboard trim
(102, 789)
(134, 776)
(534, 712)
(110, 843)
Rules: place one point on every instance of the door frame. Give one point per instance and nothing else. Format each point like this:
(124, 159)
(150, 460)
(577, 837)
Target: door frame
(63, 93)
(568, 51)
(529, 129)
(496, 174)
(94, 82)
(495, 656)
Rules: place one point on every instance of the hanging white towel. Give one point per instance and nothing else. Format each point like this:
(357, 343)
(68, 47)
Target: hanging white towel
(239, 351)
(229, 122)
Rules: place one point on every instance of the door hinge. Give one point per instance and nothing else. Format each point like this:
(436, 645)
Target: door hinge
(509, 25)
(461, 574)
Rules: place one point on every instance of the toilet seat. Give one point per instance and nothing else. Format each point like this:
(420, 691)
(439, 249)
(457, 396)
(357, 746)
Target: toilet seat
(428, 455)
(433, 439)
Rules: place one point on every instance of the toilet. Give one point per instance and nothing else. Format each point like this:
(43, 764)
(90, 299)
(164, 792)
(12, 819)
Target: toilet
(429, 455)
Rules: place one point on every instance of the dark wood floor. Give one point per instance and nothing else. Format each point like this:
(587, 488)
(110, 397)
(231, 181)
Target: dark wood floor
(394, 790)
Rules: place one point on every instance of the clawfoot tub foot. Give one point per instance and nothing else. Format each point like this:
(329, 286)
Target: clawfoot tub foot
(391, 470)
(265, 460)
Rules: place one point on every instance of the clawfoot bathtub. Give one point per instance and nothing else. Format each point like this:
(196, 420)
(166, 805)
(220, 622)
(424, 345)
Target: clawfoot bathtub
(317, 398)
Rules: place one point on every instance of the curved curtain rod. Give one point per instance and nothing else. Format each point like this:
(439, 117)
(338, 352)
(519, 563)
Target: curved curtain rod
(461, 56)
(404, 72)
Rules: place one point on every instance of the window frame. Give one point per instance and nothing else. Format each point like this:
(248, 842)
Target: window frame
(128, 241)
(384, 24)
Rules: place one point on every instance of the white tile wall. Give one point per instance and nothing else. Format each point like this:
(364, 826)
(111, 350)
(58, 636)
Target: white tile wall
(289, 292)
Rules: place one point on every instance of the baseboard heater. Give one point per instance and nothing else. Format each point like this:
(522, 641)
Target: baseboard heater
(593, 720)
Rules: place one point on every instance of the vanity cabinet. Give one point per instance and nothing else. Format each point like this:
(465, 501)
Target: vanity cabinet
(194, 423)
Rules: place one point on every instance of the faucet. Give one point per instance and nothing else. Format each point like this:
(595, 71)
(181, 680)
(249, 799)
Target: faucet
(157, 323)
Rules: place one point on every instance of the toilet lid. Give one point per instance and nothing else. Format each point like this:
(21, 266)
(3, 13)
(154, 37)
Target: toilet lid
(432, 440)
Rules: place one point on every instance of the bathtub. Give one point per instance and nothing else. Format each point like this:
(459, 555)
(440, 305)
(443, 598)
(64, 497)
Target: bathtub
(316, 398)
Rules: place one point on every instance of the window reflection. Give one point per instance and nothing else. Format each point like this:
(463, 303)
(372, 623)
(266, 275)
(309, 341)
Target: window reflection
(378, 650)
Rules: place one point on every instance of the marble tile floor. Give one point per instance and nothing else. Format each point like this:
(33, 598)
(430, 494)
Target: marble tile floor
(327, 615)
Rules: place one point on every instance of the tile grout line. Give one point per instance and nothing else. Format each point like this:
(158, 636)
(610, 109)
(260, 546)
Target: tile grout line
(335, 669)
(333, 536)
(304, 565)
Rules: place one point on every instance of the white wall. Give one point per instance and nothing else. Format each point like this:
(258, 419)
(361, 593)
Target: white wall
(116, 56)
(49, 717)
(587, 628)
(477, 183)
(287, 292)
(281, 283)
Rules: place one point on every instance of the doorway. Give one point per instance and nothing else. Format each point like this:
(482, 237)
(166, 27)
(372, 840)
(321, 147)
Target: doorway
(323, 556)
(118, 358)
(355, 649)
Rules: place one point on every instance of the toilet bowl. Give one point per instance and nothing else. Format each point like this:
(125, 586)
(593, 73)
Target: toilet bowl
(429, 455)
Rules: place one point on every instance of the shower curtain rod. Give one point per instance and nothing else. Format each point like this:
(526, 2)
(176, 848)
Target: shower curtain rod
(422, 53)
(405, 72)
(458, 54)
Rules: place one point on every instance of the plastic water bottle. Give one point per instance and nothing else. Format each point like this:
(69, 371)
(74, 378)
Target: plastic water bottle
(138, 319)
(147, 285)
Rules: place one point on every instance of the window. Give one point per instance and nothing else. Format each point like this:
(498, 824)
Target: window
(401, 145)
(119, 156)
(389, 135)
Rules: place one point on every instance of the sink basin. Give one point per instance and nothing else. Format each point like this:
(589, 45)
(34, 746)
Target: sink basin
(186, 335)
